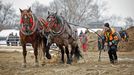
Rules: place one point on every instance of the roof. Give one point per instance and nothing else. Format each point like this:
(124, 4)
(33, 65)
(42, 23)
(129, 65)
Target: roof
(95, 30)
(91, 30)
(6, 32)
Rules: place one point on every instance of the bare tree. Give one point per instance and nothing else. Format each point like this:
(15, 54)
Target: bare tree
(100, 7)
(77, 11)
(0, 5)
(129, 21)
(39, 9)
(7, 15)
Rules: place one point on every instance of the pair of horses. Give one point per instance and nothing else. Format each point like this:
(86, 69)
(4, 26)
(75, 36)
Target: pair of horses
(42, 33)
(122, 36)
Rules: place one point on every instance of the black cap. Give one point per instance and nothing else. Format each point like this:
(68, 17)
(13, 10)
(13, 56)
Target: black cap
(106, 25)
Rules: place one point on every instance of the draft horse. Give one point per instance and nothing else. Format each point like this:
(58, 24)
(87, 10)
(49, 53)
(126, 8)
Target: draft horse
(30, 32)
(62, 34)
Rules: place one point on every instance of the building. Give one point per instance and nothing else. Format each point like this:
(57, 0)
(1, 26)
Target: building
(4, 34)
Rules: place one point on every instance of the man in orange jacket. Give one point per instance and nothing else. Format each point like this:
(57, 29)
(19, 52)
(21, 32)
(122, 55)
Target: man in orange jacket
(111, 41)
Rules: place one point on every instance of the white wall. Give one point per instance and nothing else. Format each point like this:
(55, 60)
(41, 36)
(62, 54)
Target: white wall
(6, 32)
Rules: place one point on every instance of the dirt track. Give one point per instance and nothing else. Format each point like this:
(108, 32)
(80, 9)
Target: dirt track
(10, 64)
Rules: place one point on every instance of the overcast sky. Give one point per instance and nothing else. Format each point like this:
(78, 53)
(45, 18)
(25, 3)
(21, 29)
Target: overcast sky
(117, 7)
(121, 7)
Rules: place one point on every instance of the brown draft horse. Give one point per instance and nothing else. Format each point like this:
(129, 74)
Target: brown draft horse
(30, 32)
(61, 33)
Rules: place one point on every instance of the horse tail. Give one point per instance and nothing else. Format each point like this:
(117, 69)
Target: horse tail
(77, 52)
(40, 47)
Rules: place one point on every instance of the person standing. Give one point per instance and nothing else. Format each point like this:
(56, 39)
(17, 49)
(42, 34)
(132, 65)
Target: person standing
(112, 42)
(84, 41)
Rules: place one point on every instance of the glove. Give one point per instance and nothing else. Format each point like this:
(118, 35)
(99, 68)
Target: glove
(110, 43)
(115, 42)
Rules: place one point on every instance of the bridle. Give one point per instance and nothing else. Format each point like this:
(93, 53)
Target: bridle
(28, 24)
(53, 23)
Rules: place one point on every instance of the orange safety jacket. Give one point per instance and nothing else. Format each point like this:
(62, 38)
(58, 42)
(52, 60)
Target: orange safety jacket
(111, 36)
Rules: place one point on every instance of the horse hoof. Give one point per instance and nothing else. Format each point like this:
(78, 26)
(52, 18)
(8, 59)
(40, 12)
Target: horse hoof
(71, 60)
(68, 62)
(24, 65)
(43, 63)
(61, 62)
(36, 64)
(48, 56)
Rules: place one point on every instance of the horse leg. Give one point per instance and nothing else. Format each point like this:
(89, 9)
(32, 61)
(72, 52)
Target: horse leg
(44, 46)
(47, 51)
(67, 53)
(36, 54)
(62, 53)
(72, 53)
(44, 51)
(24, 55)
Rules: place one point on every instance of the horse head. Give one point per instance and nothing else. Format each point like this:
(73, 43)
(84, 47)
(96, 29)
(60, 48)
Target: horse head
(54, 21)
(27, 21)
(51, 16)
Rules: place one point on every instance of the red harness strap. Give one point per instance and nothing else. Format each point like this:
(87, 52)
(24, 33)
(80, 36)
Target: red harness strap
(21, 21)
(44, 22)
(31, 22)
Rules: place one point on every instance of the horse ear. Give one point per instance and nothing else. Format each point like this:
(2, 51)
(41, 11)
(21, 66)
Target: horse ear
(29, 9)
(48, 12)
(21, 10)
